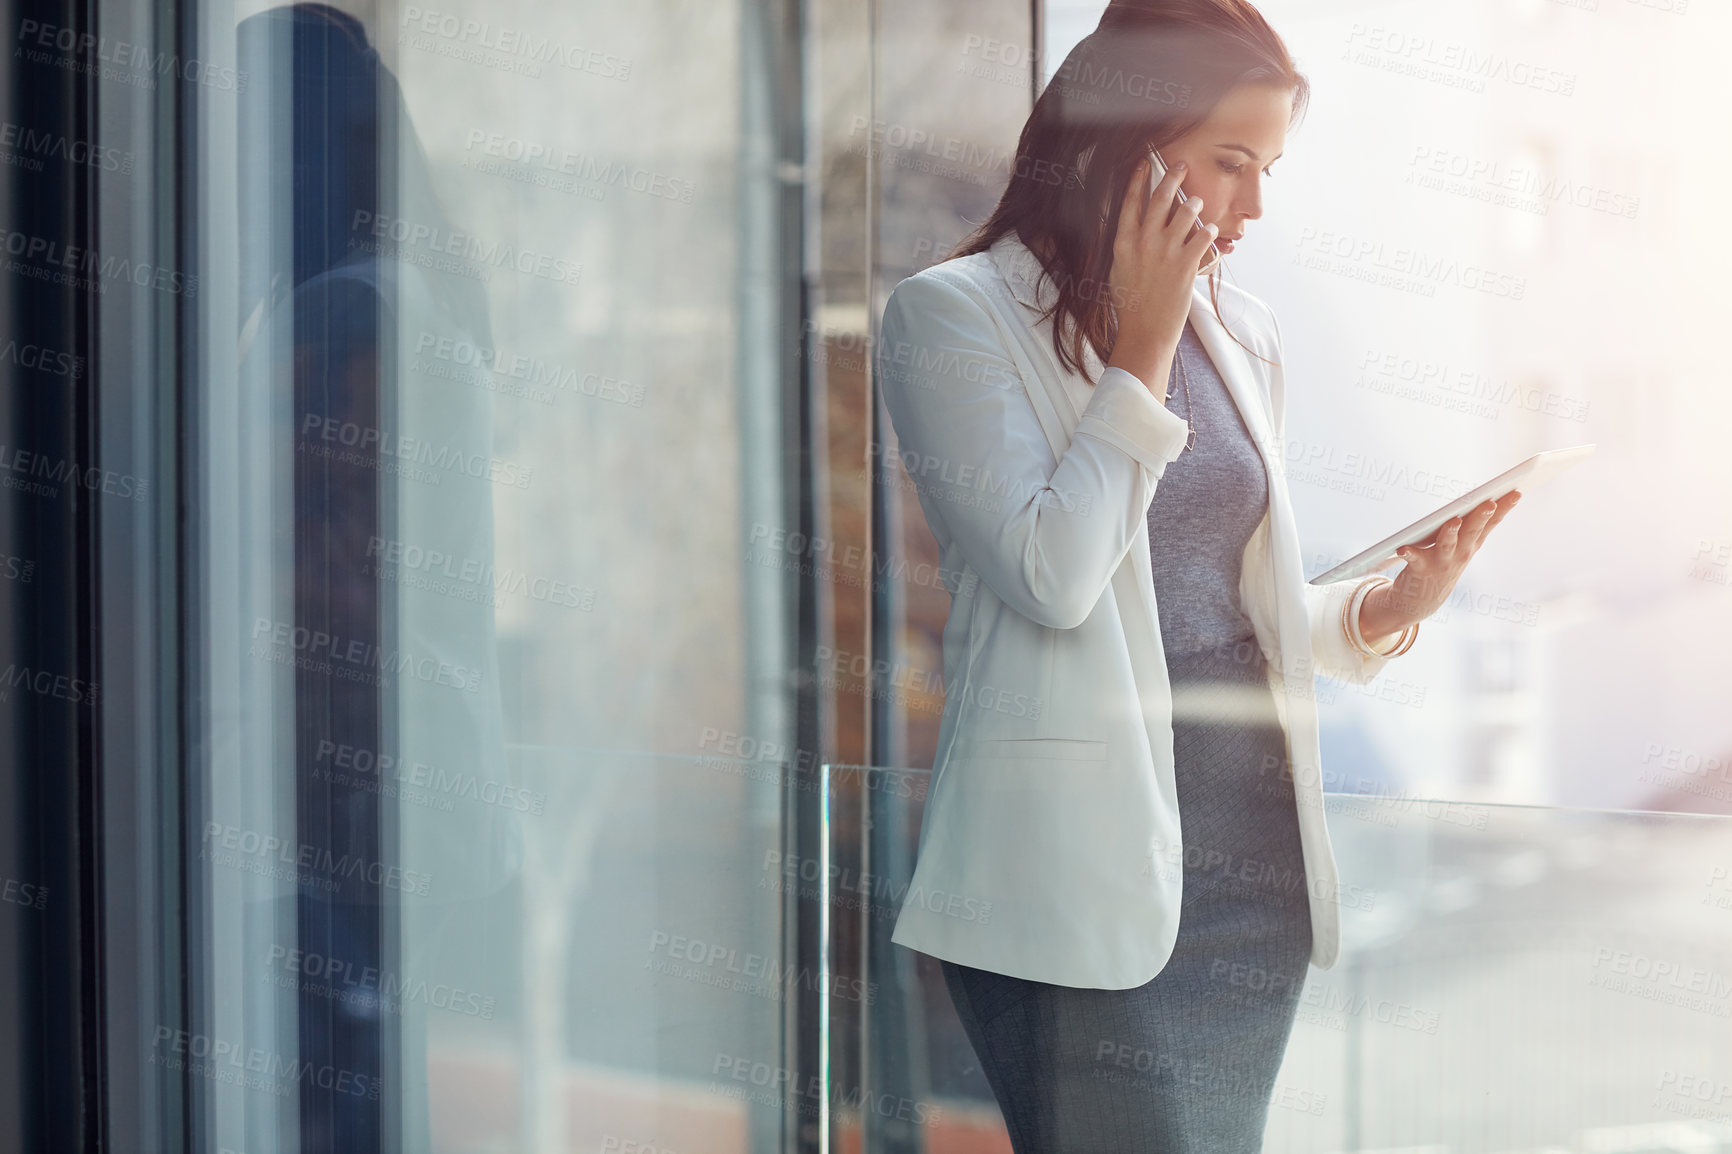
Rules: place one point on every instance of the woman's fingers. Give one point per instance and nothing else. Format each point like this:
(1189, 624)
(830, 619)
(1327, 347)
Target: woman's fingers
(1131, 213)
(1204, 238)
(1484, 518)
(1139, 222)
(1474, 524)
(1449, 535)
(1166, 192)
(1441, 562)
(1180, 231)
(1503, 509)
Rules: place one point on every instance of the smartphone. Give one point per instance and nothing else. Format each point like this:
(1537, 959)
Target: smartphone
(1158, 173)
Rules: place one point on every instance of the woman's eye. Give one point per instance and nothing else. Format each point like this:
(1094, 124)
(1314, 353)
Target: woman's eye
(1232, 169)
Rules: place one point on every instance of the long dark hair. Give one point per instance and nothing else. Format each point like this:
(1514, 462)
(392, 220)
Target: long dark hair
(1148, 74)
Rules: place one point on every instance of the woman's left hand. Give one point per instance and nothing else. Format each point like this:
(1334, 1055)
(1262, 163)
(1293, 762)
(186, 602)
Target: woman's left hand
(1431, 572)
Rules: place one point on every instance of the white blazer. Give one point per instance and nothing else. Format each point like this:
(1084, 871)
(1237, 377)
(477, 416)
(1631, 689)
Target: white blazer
(1051, 844)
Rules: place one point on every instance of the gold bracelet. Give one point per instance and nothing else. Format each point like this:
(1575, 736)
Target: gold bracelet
(1346, 608)
(1350, 621)
(1350, 613)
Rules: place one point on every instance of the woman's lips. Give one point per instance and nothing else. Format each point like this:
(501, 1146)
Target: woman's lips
(1225, 245)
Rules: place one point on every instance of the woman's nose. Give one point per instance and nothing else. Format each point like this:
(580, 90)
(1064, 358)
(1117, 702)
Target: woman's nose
(1250, 206)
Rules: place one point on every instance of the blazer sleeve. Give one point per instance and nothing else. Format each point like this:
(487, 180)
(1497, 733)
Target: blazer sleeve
(1046, 536)
(1331, 653)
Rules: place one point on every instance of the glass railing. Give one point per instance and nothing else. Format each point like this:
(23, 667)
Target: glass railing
(621, 985)
(1512, 979)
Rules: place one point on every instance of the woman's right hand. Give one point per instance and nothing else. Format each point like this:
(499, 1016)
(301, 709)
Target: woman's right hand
(1155, 263)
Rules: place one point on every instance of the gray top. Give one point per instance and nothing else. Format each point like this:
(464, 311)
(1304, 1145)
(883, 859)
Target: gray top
(1208, 503)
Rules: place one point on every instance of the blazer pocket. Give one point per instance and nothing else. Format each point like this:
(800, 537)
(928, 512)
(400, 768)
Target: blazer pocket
(1030, 748)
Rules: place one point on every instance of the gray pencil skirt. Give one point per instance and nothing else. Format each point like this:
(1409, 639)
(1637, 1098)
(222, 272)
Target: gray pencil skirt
(1186, 1063)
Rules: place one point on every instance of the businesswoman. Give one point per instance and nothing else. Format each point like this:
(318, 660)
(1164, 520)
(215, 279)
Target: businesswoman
(1123, 865)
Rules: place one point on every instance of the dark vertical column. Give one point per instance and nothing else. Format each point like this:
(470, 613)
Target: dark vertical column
(51, 1006)
(338, 493)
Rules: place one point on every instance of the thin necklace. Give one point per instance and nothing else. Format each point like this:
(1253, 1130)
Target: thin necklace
(1185, 384)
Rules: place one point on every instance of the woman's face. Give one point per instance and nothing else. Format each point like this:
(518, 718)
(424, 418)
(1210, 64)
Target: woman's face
(1228, 156)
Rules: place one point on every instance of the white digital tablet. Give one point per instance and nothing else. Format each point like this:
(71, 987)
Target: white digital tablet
(1534, 471)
